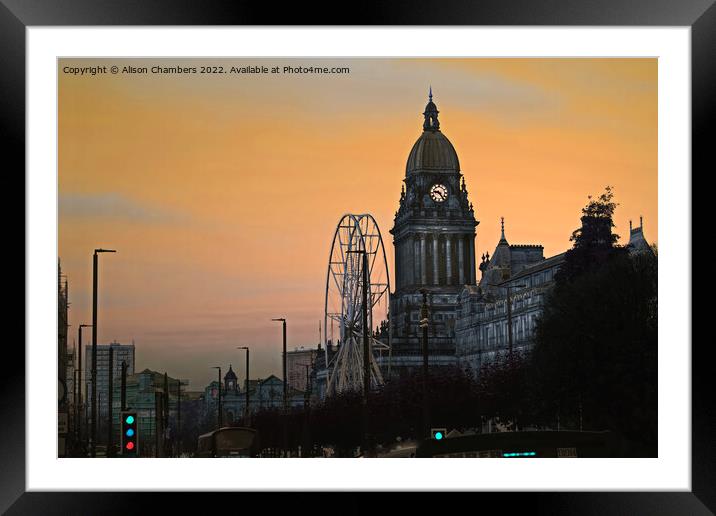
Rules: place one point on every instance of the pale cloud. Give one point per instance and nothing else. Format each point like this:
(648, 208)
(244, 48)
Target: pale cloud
(116, 207)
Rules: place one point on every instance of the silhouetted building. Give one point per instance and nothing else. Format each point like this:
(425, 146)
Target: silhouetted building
(434, 238)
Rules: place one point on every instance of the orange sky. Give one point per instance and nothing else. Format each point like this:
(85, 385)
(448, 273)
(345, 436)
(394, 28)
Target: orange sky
(221, 192)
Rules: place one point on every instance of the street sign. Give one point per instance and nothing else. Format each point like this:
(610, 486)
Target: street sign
(566, 452)
(62, 424)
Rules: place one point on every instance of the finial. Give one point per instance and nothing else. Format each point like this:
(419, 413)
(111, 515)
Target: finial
(641, 221)
(630, 227)
(431, 114)
(502, 223)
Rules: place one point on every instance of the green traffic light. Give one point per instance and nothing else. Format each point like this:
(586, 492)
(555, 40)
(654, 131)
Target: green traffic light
(438, 435)
(129, 420)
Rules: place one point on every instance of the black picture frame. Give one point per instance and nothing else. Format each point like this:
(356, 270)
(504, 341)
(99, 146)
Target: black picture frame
(17, 15)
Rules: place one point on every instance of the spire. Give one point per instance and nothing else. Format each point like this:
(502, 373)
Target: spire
(630, 226)
(503, 240)
(431, 122)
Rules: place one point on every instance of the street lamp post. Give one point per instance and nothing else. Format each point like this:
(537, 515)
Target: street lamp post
(509, 315)
(424, 320)
(219, 396)
(366, 344)
(306, 409)
(246, 409)
(285, 384)
(95, 256)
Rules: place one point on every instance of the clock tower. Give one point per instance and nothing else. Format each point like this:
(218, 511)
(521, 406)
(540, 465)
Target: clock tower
(434, 238)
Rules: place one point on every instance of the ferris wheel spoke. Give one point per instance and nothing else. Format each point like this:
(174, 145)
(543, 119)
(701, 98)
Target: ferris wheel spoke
(344, 300)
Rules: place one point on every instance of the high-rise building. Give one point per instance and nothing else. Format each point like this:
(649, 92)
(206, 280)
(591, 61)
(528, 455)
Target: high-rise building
(296, 362)
(121, 352)
(62, 319)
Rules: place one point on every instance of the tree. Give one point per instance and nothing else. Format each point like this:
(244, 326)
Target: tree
(503, 390)
(594, 242)
(595, 354)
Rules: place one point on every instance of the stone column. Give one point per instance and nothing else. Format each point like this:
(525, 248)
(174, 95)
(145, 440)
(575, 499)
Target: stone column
(472, 261)
(436, 276)
(398, 267)
(461, 259)
(448, 258)
(409, 262)
(416, 262)
(423, 261)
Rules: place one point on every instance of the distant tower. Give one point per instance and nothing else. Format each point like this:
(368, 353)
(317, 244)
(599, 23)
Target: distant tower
(230, 385)
(434, 238)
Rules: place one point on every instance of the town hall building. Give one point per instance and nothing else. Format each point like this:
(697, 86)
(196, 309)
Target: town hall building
(434, 234)
(434, 238)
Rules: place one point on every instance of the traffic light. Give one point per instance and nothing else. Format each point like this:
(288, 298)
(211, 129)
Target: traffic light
(438, 434)
(130, 441)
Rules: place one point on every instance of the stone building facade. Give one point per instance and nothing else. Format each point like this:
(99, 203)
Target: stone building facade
(264, 394)
(482, 325)
(434, 238)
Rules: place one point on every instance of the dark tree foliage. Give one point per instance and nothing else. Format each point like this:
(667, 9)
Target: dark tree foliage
(194, 422)
(594, 242)
(595, 354)
(504, 391)
(394, 411)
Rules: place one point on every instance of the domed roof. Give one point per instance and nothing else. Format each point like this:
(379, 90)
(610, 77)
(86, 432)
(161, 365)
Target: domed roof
(433, 151)
(230, 375)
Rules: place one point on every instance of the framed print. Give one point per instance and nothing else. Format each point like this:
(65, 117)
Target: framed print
(419, 237)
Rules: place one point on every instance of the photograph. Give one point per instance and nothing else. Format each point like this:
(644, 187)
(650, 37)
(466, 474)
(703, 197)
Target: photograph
(359, 257)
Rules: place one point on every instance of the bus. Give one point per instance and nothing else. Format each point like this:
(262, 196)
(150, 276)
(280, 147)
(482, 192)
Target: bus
(230, 441)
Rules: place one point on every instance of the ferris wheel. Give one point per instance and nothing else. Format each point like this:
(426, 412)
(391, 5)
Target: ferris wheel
(356, 242)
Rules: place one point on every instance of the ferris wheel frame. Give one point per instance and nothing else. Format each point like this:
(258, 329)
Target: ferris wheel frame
(361, 234)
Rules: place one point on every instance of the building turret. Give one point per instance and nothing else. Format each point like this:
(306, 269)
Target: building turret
(637, 241)
(230, 384)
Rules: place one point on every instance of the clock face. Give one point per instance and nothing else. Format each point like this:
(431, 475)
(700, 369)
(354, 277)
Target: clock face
(439, 193)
